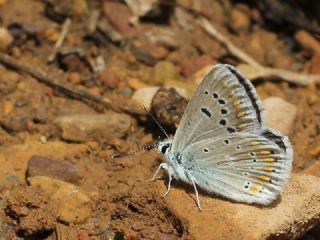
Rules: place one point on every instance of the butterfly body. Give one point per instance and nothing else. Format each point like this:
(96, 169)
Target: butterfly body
(222, 144)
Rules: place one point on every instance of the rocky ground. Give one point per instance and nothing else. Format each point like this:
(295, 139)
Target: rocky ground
(73, 75)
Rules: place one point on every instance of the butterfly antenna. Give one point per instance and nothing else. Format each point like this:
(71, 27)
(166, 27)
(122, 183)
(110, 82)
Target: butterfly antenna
(156, 121)
(121, 155)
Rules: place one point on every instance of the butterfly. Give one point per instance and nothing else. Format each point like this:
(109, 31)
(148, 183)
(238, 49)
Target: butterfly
(223, 146)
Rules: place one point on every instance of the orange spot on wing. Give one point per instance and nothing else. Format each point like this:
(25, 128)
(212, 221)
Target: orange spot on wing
(265, 178)
(256, 188)
(236, 103)
(254, 143)
(268, 168)
(268, 160)
(264, 152)
(240, 114)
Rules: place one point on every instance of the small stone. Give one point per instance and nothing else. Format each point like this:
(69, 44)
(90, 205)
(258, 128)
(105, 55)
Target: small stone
(315, 64)
(80, 7)
(142, 55)
(52, 35)
(240, 21)
(136, 83)
(191, 66)
(42, 166)
(87, 127)
(158, 52)
(74, 205)
(168, 106)
(109, 78)
(119, 15)
(307, 41)
(43, 139)
(312, 99)
(280, 114)
(162, 72)
(83, 234)
(15, 123)
(5, 38)
(74, 78)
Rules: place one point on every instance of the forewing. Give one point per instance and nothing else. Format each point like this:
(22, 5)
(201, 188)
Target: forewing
(241, 166)
(224, 102)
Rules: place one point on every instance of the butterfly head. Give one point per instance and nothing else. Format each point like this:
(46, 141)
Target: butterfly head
(164, 146)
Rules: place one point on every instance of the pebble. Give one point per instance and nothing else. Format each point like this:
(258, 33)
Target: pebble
(158, 52)
(74, 78)
(88, 127)
(51, 35)
(43, 166)
(191, 66)
(80, 7)
(5, 38)
(119, 15)
(15, 123)
(315, 64)
(83, 234)
(307, 41)
(136, 83)
(109, 78)
(168, 106)
(280, 114)
(74, 204)
(240, 21)
(162, 72)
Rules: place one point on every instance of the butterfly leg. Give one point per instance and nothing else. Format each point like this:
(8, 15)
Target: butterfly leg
(196, 190)
(162, 165)
(169, 170)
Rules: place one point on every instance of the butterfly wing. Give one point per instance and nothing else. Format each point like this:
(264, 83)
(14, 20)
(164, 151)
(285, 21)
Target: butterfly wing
(242, 166)
(224, 102)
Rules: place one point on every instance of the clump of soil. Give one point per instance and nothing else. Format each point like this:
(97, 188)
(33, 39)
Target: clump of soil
(32, 211)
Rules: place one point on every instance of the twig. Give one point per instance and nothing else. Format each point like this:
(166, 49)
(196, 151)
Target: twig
(297, 78)
(42, 77)
(65, 29)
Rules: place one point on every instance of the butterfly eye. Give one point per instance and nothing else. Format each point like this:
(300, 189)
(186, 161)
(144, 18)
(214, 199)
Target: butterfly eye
(164, 148)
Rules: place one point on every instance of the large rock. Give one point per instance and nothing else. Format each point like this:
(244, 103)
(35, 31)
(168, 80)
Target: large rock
(88, 127)
(294, 213)
(43, 166)
(74, 205)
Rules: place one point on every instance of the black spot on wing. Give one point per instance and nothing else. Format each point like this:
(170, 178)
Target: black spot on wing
(206, 112)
